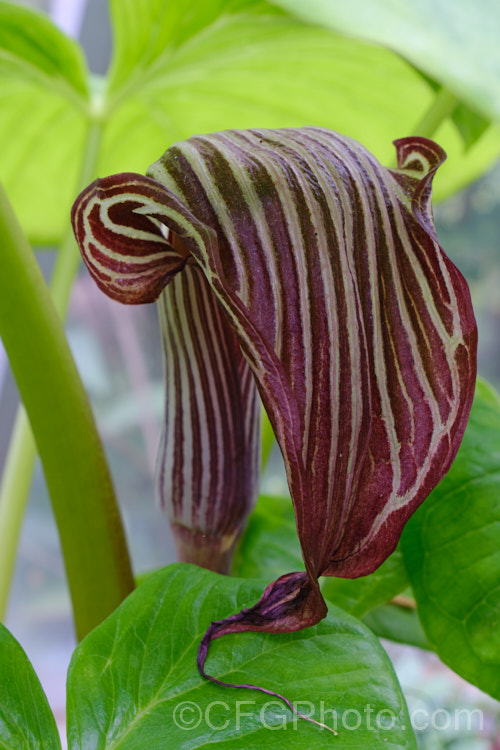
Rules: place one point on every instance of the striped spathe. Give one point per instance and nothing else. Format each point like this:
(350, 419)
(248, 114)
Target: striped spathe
(358, 329)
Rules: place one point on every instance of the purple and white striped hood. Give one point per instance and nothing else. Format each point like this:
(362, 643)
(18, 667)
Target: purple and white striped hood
(321, 272)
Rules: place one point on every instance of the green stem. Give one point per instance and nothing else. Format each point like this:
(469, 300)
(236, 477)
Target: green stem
(441, 108)
(92, 598)
(21, 456)
(14, 491)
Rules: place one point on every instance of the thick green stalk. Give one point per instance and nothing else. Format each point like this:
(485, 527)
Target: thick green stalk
(14, 492)
(92, 537)
(20, 461)
(18, 471)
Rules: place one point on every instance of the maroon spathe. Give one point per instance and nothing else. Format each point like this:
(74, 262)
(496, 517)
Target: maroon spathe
(358, 329)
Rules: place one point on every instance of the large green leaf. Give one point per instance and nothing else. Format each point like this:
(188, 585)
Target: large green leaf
(192, 67)
(133, 682)
(252, 68)
(398, 624)
(241, 64)
(463, 166)
(456, 43)
(451, 549)
(471, 126)
(43, 110)
(31, 47)
(359, 595)
(269, 546)
(26, 721)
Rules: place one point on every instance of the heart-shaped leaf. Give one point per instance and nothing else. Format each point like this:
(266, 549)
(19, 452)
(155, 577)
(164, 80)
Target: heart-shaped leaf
(451, 549)
(187, 68)
(398, 624)
(455, 43)
(133, 682)
(223, 64)
(41, 52)
(360, 595)
(269, 547)
(470, 125)
(245, 65)
(43, 112)
(26, 721)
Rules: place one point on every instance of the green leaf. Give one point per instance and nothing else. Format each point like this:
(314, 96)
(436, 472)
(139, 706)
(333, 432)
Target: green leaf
(451, 549)
(471, 126)
(32, 47)
(222, 64)
(44, 106)
(269, 546)
(26, 721)
(133, 681)
(397, 624)
(251, 68)
(462, 168)
(195, 67)
(359, 595)
(456, 43)
(468, 122)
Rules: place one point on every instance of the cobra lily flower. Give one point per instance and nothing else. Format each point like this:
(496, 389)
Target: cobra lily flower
(295, 256)
(208, 467)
